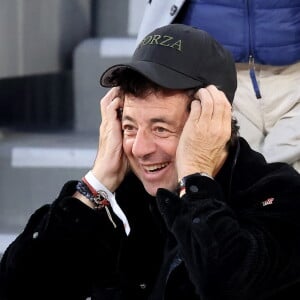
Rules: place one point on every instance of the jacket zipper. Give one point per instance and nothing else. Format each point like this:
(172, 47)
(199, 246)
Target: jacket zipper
(253, 76)
(251, 55)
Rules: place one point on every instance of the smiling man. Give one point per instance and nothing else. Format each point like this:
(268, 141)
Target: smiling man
(176, 205)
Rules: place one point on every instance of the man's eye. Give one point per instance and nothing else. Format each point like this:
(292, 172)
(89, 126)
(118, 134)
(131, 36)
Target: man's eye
(161, 129)
(127, 127)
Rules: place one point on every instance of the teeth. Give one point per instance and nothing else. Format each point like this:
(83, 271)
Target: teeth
(155, 167)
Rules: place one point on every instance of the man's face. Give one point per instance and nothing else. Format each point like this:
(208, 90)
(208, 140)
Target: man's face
(152, 126)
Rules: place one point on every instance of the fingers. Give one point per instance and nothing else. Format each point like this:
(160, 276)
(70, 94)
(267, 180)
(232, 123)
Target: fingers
(210, 116)
(221, 105)
(215, 107)
(213, 100)
(221, 111)
(111, 102)
(110, 95)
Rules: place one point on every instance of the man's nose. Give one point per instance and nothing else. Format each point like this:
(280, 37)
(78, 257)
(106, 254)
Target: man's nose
(143, 144)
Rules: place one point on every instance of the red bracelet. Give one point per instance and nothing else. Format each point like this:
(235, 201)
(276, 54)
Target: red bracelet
(92, 190)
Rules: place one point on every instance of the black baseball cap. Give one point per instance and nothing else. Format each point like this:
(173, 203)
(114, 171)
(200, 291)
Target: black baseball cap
(178, 56)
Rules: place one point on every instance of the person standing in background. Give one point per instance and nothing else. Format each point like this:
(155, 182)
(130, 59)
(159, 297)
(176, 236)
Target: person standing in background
(264, 38)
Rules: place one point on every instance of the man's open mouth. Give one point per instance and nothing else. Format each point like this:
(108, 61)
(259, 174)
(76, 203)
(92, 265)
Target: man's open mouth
(156, 167)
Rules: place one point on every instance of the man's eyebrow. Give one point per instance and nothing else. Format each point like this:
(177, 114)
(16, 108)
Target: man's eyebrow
(152, 120)
(162, 120)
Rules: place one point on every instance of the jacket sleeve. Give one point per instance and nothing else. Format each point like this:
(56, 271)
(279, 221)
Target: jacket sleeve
(158, 13)
(244, 251)
(65, 249)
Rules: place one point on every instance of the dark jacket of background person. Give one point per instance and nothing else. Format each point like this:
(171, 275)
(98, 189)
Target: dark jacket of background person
(266, 31)
(81, 254)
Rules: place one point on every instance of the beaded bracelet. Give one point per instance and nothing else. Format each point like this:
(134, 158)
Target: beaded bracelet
(99, 199)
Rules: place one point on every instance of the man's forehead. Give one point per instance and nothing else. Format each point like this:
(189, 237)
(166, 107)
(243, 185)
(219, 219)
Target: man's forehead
(156, 108)
(163, 96)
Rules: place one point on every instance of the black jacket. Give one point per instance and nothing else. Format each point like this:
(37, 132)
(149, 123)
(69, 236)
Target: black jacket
(235, 237)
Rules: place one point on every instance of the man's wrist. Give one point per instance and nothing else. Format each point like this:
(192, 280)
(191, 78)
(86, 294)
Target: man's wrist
(83, 199)
(182, 182)
(106, 178)
(99, 197)
(94, 190)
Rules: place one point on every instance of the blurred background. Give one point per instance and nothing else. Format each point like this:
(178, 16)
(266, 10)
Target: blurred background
(51, 56)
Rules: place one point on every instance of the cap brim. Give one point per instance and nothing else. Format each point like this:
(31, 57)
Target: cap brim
(157, 73)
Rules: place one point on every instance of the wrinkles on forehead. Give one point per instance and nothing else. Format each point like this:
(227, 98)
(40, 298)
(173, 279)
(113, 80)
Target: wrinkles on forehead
(161, 103)
(161, 95)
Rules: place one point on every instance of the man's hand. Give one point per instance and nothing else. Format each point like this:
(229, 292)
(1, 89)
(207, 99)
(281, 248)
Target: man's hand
(202, 145)
(111, 163)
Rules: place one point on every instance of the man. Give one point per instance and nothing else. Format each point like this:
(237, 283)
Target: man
(176, 206)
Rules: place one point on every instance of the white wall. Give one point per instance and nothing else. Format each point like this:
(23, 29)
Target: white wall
(35, 35)
(136, 10)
